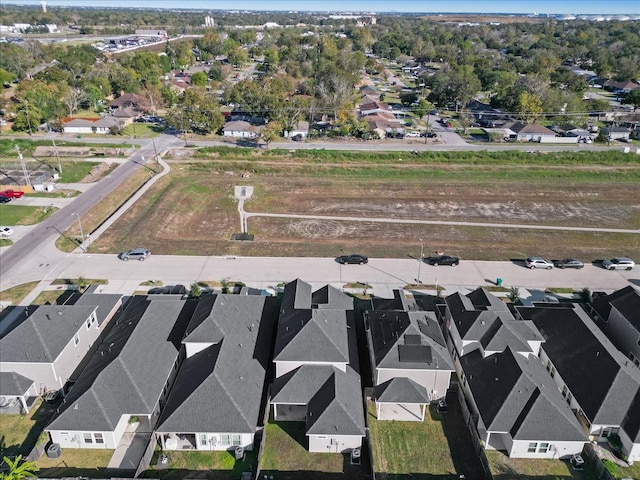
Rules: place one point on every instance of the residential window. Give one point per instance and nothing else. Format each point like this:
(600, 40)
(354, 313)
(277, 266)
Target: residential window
(639, 342)
(203, 439)
(543, 448)
(88, 438)
(236, 440)
(552, 371)
(532, 447)
(225, 439)
(569, 398)
(76, 339)
(89, 323)
(565, 391)
(632, 357)
(99, 438)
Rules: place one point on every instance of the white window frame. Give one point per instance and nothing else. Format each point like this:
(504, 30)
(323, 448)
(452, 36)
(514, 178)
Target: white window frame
(543, 447)
(225, 439)
(87, 437)
(76, 340)
(236, 440)
(98, 438)
(533, 447)
(203, 439)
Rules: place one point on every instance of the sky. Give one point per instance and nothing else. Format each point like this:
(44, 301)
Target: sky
(600, 7)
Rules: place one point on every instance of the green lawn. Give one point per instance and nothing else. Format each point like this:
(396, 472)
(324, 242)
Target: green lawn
(285, 456)
(503, 467)
(74, 171)
(209, 465)
(23, 215)
(417, 449)
(17, 293)
(19, 434)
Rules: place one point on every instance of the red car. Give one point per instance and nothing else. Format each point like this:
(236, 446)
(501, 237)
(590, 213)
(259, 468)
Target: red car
(12, 193)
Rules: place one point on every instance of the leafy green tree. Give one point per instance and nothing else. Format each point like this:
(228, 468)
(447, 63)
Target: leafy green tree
(422, 108)
(407, 98)
(199, 79)
(632, 98)
(6, 77)
(18, 469)
(215, 72)
(196, 290)
(529, 106)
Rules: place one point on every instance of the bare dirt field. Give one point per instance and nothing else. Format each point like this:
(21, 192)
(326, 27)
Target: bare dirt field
(192, 211)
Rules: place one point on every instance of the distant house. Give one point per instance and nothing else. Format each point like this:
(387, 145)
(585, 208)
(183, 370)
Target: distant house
(215, 401)
(615, 132)
(119, 395)
(568, 130)
(52, 340)
(301, 128)
(618, 315)
(384, 124)
(621, 87)
(515, 404)
(410, 362)
(373, 107)
(132, 100)
(316, 368)
(239, 129)
(104, 125)
(530, 132)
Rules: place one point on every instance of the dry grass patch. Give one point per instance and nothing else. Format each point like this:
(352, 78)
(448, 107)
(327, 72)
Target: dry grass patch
(530, 469)
(17, 293)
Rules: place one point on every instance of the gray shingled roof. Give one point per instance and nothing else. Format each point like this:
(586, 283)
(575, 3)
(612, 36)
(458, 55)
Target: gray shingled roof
(128, 373)
(104, 301)
(401, 390)
(626, 301)
(14, 384)
(333, 398)
(219, 389)
(389, 330)
(515, 394)
(313, 336)
(42, 336)
(597, 374)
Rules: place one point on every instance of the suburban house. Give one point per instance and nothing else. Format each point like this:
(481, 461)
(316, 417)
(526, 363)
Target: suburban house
(384, 124)
(621, 87)
(317, 379)
(133, 100)
(531, 132)
(598, 382)
(301, 129)
(618, 316)
(215, 401)
(568, 130)
(104, 125)
(17, 393)
(616, 132)
(239, 129)
(119, 395)
(409, 358)
(51, 341)
(516, 406)
(371, 107)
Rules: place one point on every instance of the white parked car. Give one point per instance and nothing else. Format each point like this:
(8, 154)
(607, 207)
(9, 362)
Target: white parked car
(619, 263)
(6, 231)
(538, 262)
(412, 134)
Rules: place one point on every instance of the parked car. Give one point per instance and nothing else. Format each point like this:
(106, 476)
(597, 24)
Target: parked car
(135, 254)
(568, 263)
(412, 134)
(297, 138)
(168, 290)
(6, 231)
(12, 193)
(352, 259)
(442, 260)
(618, 263)
(4, 199)
(538, 262)
(429, 134)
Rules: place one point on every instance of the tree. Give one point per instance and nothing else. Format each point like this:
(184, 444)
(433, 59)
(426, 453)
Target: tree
(196, 290)
(18, 469)
(633, 98)
(407, 98)
(269, 133)
(199, 79)
(529, 106)
(514, 294)
(73, 98)
(422, 108)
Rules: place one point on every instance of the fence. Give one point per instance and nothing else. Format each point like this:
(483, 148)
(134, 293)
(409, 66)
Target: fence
(263, 437)
(145, 461)
(475, 438)
(595, 463)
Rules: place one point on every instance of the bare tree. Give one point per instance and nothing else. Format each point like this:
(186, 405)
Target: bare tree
(73, 98)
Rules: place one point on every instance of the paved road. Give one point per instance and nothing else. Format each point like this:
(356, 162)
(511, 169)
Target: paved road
(33, 244)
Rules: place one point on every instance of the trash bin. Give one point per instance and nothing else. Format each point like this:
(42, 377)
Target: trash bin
(53, 451)
(498, 282)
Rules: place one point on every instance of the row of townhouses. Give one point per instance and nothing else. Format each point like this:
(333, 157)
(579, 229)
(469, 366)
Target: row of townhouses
(194, 374)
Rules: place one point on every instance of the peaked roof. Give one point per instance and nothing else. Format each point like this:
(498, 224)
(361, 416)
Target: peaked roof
(238, 126)
(408, 340)
(219, 389)
(626, 301)
(524, 128)
(515, 394)
(105, 302)
(14, 384)
(600, 378)
(313, 325)
(41, 337)
(333, 398)
(401, 390)
(128, 373)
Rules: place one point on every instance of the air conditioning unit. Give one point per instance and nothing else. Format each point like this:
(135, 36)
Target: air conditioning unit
(239, 453)
(356, 454)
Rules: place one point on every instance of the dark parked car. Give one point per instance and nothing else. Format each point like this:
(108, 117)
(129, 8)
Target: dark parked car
(352, 259)
(568, 263)
(168, 290)
(4, 199)
(442, 260)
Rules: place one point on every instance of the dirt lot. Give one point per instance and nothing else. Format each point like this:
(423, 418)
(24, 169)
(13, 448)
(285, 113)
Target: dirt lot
(192, 211)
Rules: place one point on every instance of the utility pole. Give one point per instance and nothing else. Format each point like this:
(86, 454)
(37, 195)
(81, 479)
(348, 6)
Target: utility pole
(79, 223)
(25, 172)
(420, 260)
(155, 151)
(55, 149)
(26, 106)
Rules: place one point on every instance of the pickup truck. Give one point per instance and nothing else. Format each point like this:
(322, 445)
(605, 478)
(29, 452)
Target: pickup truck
(12, 193)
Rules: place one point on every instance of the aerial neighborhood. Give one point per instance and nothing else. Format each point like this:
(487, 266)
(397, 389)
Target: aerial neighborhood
(259, 245)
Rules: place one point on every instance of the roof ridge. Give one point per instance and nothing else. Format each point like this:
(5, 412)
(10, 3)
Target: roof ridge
(231, 398)
(135, 386)
(100, 406)
(41, 338)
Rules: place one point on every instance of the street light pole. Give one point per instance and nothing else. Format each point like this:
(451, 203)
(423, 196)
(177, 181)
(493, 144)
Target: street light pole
(420, 260)
(79, 223)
